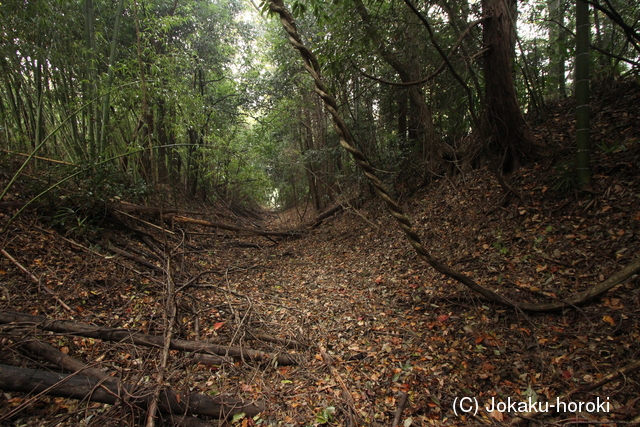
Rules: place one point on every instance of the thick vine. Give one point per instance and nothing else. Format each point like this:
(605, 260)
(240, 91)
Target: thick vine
(346, 141)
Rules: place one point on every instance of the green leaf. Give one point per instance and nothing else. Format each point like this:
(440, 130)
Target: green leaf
(326, 415)
(238, 417)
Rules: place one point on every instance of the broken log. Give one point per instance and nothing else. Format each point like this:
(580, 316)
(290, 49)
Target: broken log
(76, 386)
(138, 338)
(221, 226)
(69, 364)
(132, 248)
(64, 361)
(289, 343)
(211, 359)
(130, 207)
(326, 214)
(108, 246)
(355, 202)
(132, 257)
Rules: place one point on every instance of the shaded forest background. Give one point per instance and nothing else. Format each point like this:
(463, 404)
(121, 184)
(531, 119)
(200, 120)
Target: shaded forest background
(207, 98)
(169, 169)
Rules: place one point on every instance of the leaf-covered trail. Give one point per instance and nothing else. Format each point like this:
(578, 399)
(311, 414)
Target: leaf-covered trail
(392, 326)
(354, 289)
(373, 320)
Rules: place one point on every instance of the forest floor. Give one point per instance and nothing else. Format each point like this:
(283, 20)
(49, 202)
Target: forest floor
(371, 320)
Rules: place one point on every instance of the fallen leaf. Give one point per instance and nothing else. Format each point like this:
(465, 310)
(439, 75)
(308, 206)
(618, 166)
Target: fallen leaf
(443, 318)
(218, 325)
(497, 415)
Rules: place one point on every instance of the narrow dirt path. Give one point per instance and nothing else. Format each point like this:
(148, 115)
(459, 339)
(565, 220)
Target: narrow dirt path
(374, 321)
(340, 290)
(392, 326)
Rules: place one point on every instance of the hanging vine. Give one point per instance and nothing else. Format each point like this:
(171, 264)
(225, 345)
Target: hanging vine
(346, 141)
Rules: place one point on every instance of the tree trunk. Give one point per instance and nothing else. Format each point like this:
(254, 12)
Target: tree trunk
(420, 128)
(147, 116)
(583, 29)
(504, 128)
(90, 80)
(110, 78)
(557, 38)
(138, 338)
(83, 387)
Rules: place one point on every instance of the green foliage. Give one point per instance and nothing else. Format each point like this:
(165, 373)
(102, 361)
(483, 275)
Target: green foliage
(615, 147)
(175, 95)
(70, 219)
(499, 245)
(325, 415)
(238, 417)
(222, 104)
(81, 205)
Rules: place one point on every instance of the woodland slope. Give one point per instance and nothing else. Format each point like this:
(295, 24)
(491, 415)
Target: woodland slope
(366, 321)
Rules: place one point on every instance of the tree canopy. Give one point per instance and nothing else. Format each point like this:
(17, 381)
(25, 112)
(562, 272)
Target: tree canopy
(177, 151)
(207, 97)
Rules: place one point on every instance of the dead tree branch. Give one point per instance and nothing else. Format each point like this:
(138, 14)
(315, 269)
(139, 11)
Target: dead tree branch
(83, 387)
(312, 66)
(138, 338)
(221, 226)
(35, 280)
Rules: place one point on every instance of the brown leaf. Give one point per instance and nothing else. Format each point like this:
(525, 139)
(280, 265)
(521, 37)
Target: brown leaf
(218, 325)
(497, 415)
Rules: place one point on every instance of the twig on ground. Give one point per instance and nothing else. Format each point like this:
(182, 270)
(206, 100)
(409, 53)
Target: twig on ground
(346, 394)
(401, 405)
(134, 337)
(36, 280)
(170, 312)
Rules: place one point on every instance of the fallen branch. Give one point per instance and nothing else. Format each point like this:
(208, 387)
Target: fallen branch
(353, 203)
(346, 394)
(138, 338)
(326, 214)
(132, 248)
(64, 361)
(211, 359)
(221, 226)
(164, 230)
(401, 404)
(347, 142)
(126, 254)
(85, 388)
(70, 364)
(35, 280)
(593, 292)
(132, 257)
(46, 159)
(285, 342)
(169, 317)
(130, 207)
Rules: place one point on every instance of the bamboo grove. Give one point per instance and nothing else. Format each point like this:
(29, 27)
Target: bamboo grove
(204, 97)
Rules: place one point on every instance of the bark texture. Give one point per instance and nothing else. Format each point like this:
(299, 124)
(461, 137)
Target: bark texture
(504, 128)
